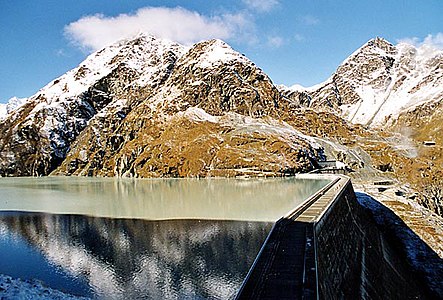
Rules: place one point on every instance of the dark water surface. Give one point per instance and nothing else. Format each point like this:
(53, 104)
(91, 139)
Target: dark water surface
(120, 258)
(140, 239)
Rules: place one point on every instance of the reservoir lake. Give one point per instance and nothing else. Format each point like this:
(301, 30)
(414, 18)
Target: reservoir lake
(141, 238)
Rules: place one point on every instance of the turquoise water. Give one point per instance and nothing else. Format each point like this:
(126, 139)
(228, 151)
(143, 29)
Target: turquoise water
(140, 239)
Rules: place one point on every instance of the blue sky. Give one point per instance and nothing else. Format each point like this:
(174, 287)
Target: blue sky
(299, 42)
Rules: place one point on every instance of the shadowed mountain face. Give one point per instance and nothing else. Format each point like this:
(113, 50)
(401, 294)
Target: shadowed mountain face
(118, 258)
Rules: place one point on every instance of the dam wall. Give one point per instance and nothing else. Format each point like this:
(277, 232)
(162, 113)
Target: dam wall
(354, 258)
(330, 248)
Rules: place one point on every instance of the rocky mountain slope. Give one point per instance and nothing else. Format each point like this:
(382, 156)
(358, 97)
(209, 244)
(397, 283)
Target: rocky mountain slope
(38, 133)
(395, 94)
(378, 83)
(147, 107)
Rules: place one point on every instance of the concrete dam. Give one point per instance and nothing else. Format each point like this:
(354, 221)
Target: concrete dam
(331, 248)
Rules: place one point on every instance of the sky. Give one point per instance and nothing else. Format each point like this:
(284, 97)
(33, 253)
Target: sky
(294, 42)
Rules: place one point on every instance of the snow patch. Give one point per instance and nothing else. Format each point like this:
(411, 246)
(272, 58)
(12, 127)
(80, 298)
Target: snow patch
(297, 87)
(249, 125)
(198, 115)
(11, 105)
(16, 288)
(413, 79)
(218, 52)
(15, 103)
(320, 85)
(300, 88)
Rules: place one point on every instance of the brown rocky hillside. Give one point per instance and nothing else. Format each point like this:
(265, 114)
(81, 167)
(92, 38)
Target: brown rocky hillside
(146, 107)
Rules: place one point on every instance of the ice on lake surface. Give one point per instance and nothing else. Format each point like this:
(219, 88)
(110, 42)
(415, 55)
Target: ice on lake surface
(143, 238)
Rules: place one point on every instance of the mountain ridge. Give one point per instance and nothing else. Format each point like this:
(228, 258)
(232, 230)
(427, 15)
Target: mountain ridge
(123, 87)
(112, 115)
(378, 82)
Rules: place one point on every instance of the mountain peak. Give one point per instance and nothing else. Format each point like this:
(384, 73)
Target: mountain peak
(12, 104)
(143, 38)
(379, 42)
(379, 81)
(376, 46)
(214, 52)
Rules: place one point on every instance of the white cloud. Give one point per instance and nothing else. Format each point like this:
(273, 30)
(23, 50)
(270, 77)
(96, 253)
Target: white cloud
(177, 24)
(275, 41)
(432, 41)
(410, 40)
(261, 5)
(309, 20)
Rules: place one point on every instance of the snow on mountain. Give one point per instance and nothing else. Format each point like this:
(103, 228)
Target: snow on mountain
(51, 120)
(176, 131)
(379, 81)
(100, 117)
(10, 106)
(111, 114)
(415, 77)
(217, 78)
(14, 103)
(141, 55)
(217, 52)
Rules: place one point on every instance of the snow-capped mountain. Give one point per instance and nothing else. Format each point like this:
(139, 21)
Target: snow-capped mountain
(393, 97)
(111, 114)
(148, 107)
(377, 83)
(199, 122)
(37, 135)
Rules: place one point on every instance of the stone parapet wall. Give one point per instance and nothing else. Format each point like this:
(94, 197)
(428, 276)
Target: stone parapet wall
(354, 258)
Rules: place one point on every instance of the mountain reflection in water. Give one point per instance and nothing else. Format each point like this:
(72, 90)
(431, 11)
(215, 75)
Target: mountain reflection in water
(130, 258)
